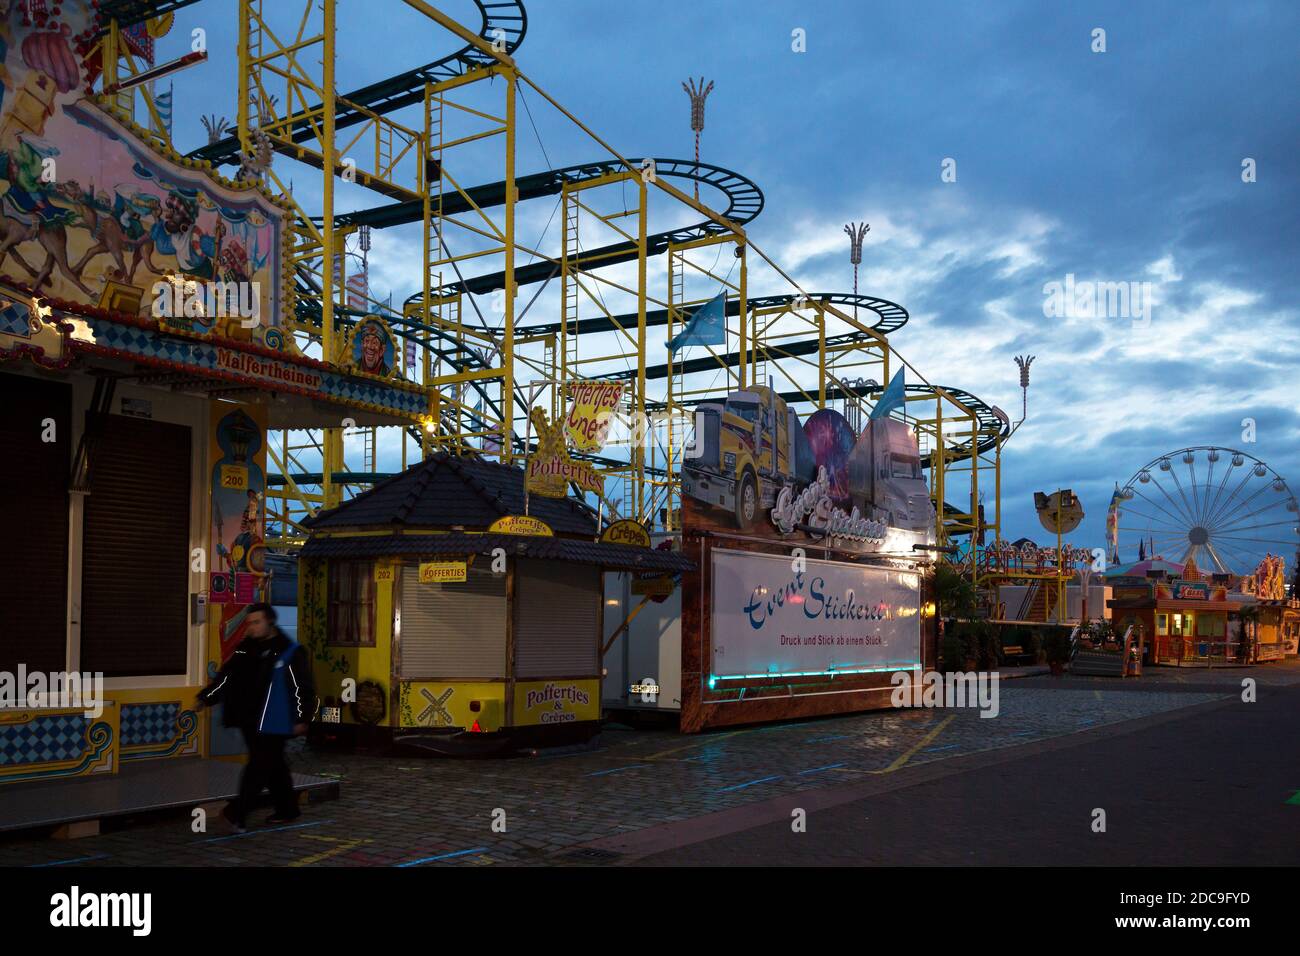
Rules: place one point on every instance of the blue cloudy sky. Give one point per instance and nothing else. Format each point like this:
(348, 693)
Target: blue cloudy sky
(1122, 166)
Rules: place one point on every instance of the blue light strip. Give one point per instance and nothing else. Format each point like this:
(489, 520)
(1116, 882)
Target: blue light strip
(904, 666)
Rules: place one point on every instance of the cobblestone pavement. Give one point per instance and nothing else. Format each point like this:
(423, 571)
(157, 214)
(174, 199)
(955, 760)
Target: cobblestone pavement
(410, 811)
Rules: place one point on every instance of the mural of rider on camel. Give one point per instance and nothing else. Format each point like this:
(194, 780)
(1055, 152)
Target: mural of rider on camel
(84, 202)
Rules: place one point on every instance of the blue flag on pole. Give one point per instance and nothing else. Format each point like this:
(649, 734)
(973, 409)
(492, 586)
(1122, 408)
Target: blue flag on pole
(706, 326)
(892, 397)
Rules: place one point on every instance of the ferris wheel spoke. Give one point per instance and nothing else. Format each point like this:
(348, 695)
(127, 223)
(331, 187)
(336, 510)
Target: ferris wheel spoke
(1218, 493)
(1154, 518)
(1191, 484)
(1232, 549)
(1255, 527)
(1161, 533)
(1256, 541)
(1232, 496)
(1166, 544)
(1237, 500)
(1236, 509)
(1185, 515)
(1209, 482)
(1238, 515)
(1191, 512)
(1175, 519)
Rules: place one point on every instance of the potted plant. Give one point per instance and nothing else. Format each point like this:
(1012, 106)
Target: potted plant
(1057, 646)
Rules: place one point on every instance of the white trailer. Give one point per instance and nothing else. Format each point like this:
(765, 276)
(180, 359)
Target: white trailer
(643, 665)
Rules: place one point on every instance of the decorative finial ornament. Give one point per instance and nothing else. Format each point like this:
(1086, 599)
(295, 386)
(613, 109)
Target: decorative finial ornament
(1024, 361)
(856, 231)
(698, 95)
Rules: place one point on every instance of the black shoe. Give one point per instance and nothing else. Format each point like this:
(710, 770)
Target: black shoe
(279, 819)
(229, 815)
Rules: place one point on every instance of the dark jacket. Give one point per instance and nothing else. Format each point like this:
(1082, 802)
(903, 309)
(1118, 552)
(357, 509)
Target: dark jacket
(244, 682)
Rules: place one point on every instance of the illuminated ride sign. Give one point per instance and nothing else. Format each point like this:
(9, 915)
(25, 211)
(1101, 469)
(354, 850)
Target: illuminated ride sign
(550, 469)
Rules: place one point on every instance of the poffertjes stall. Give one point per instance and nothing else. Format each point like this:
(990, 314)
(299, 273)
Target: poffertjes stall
(446, 608)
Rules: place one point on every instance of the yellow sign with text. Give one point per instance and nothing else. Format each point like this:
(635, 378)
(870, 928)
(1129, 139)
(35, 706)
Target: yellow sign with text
(235, 477)
(627, 531)
(521, 524)
(549, 469)
(591, 412)
(443, 572)
(556, 702)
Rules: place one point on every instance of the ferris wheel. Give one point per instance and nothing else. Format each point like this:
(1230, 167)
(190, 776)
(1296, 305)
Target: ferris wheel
(1222, 508)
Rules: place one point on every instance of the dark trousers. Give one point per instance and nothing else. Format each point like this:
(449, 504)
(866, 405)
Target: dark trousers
(266, 768)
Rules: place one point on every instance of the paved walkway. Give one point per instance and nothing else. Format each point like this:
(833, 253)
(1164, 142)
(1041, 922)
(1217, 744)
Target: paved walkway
(582, 807)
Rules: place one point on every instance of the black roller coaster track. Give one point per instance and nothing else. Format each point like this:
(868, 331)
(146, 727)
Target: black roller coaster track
(508, 19)
(744, 203)
(504, 19)
(889, 316)
(130, 12)
(990, 427)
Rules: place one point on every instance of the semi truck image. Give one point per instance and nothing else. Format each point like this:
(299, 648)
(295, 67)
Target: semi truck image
(743, 452)
(746, 449)
(885, 471)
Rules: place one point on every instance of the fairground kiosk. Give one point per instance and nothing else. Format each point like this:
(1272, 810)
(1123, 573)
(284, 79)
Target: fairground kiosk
(450, 609)
(1189, 620)
(137, 406)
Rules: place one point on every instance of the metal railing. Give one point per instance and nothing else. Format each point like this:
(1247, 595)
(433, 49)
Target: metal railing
(1183, 649)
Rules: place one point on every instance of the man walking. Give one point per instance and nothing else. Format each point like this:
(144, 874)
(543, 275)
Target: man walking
(266, 689)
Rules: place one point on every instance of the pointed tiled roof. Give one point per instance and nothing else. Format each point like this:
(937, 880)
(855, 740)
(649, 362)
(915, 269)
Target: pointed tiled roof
(446, 491)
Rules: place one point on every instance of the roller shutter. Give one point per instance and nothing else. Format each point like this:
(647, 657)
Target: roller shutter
(34, 559)
(557, 619)
(453, 631)
(136, 552)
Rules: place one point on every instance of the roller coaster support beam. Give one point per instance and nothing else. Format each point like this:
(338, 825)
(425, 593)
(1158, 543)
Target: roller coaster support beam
(508, 334)
(470, 37)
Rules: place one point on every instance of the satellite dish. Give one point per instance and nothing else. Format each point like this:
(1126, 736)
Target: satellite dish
(1060, 512)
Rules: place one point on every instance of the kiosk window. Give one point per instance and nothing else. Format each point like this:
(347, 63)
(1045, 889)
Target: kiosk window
(453, 631)
(557, 620)
(1209, 625)
(352, 603)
